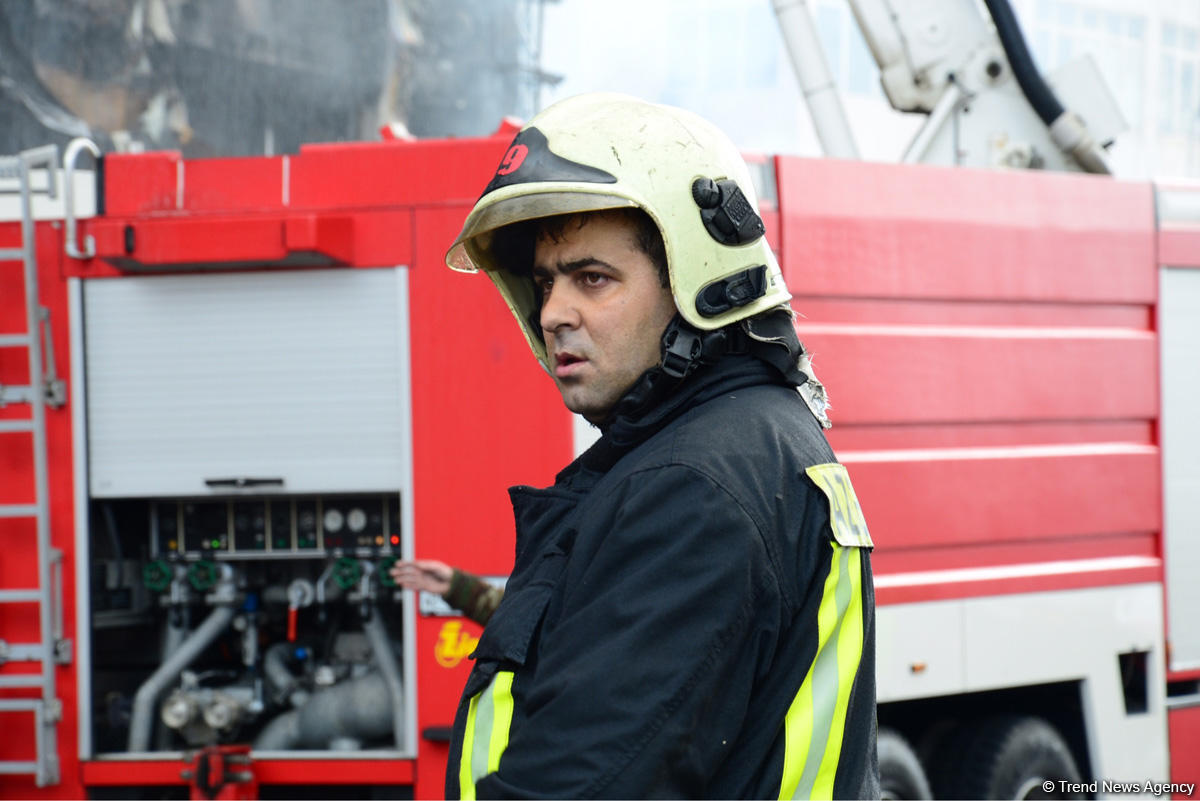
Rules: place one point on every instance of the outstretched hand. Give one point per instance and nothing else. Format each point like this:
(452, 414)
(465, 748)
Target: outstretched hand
(428, 575)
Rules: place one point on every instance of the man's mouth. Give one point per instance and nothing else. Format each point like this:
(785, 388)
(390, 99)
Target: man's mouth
(566, 364)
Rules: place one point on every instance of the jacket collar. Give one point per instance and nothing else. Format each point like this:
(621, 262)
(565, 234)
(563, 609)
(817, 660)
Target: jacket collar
(627, 431)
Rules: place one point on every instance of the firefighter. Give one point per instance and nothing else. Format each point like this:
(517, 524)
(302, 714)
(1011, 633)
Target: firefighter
(691, 610)
(464, 591)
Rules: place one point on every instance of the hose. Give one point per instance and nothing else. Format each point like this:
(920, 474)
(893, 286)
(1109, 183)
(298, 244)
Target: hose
(1036, 90)
(1066, 129)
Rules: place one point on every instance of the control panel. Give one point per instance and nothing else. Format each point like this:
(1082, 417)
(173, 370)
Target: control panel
(278, 526)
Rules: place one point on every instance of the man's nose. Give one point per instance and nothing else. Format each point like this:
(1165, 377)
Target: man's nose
(559, 309)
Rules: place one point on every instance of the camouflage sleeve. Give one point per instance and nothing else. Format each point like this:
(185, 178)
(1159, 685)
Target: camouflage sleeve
(473, 596)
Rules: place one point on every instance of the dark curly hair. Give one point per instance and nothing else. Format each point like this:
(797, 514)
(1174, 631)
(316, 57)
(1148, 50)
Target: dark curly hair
(513, 245)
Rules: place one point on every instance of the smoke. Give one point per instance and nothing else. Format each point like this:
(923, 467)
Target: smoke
(244, 77)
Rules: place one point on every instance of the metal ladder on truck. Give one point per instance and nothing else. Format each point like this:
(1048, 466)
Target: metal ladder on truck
(43, 389)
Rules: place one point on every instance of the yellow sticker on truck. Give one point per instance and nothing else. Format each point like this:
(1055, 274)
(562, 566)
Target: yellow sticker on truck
(454, 644)
(845, 515)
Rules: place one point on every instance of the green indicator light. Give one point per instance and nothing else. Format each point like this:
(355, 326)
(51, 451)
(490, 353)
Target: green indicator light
(216, 543)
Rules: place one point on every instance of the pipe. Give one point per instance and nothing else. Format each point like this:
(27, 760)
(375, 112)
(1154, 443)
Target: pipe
(1066, 129)
(280, 679)
(816, 82)
(359, 709)
(173, 638)
(74, 148)
(322, 580)
(947, 104)
(143, 703)
(385, 657)
(1071, 135)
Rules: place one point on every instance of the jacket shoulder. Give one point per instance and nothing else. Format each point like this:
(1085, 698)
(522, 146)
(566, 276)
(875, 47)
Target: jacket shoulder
(766, 424)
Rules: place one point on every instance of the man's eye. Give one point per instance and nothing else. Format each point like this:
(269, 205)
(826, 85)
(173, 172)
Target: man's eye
(543, 287)
(594, 279)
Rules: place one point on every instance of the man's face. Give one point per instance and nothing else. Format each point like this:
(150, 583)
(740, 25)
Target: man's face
(603, 311)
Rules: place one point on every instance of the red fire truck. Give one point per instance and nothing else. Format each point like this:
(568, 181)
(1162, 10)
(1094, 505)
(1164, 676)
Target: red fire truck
(235, 389)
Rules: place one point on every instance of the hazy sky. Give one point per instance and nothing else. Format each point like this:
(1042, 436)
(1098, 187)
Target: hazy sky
(725, 60)
(673, 51)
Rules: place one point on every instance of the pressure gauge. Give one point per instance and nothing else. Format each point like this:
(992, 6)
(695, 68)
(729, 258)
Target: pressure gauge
(334, 520)
(356, 520)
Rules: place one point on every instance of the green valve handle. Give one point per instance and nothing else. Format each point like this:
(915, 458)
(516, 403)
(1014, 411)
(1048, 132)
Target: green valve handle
(347, 572)
(202, 576)
(385, 571)
(156, 575)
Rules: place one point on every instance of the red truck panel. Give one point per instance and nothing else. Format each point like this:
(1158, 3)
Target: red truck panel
(988, 345)
(243, 184)
(1184, 724)
(855, 229)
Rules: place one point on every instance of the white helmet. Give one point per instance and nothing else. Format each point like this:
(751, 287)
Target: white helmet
(609, 151)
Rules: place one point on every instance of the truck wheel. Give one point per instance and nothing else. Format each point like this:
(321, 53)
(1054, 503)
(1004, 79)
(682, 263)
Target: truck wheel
(1006, 757)
(900, 773)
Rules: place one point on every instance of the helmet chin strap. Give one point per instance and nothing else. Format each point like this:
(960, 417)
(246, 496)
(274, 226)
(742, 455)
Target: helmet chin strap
(685, 349)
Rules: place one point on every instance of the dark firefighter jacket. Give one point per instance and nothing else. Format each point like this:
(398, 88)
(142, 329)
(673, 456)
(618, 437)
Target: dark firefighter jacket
(690, 614)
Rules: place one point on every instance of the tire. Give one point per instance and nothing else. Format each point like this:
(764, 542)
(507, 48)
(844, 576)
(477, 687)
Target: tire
(900, 773)
(1005, 757)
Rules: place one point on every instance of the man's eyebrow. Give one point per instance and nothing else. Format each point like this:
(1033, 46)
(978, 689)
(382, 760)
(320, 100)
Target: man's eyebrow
(568, 267)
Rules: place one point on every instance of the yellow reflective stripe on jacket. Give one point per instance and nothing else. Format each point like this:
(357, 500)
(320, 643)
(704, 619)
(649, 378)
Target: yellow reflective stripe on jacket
(489, 717)
(845, 515)
(815, 721)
